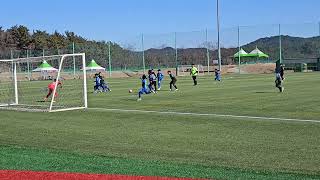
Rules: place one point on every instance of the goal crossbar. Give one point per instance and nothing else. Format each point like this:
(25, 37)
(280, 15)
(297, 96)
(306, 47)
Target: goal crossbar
(24, 60)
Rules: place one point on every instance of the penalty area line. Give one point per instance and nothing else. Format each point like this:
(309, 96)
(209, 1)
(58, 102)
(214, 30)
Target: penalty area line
(205, 114)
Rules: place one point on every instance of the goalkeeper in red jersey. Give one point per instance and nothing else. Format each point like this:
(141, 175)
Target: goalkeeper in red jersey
(51, 88)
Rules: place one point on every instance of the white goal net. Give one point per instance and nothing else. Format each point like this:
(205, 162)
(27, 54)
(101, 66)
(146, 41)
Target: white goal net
(48, 83)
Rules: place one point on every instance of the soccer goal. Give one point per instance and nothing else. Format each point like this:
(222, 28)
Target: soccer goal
(47, 83)
(184, 70)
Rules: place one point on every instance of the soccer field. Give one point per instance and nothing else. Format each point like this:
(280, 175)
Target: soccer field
(240, 128)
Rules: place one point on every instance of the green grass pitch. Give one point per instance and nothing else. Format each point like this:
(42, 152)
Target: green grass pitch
(199, 145)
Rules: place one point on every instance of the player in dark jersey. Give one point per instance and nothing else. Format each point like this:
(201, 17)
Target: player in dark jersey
(152, 81)
(217, 73)
(173, 81)
(278, 82)
(281, 71)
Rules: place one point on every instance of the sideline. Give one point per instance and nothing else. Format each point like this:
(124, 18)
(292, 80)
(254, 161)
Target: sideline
(204, 114)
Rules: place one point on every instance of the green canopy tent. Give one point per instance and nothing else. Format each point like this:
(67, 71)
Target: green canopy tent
(93, 66)
(242, 53)
(45, 67)
(257, 53)
(46, 70)
(253, 57)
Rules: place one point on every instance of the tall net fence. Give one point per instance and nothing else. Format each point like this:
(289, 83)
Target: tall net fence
(301, 47)
(228, 45)
(160, 51)
(191, 49)
(128, 56)
(258, 49)
(260, 46)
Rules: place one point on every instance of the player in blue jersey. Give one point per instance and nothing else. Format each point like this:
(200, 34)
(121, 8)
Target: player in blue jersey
(160, 77)
(144, 89)
(100, 84)
(97, 83)
(103, 84)
(217, 73)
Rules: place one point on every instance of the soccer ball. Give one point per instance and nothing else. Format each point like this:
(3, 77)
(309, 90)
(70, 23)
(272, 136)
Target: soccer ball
(130, 91)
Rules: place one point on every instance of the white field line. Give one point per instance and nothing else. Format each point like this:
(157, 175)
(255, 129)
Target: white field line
(204, 114)
(23, 109)
(33, 108)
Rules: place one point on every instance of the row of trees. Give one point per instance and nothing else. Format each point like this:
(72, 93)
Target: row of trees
(19, 39)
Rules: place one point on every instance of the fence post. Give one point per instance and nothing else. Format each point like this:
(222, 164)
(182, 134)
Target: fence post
(319, 28)
(109, 54)
(143, 58)
(218, 30)
(28, 65)
(239, 55)
(319, 36)
(280, 45)
(74, 61)
(176, 52)
(208, 53)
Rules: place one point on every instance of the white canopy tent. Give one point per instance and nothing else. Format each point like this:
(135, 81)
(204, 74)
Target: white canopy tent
(93, 66)
(46, 70)
(45, 67)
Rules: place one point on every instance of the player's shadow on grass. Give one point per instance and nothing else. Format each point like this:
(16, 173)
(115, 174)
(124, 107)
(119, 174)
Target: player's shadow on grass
(41, 101)
(164, 90)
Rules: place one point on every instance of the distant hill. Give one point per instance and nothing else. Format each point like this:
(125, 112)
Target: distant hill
(292, 47)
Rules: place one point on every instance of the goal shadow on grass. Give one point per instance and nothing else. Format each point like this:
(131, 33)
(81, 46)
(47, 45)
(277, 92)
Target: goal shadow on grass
(265, 92)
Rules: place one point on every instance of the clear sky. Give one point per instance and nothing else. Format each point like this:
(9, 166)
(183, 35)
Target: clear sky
(118, 19)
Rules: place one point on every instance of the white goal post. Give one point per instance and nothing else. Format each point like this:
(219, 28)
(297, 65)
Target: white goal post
(46, 83)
